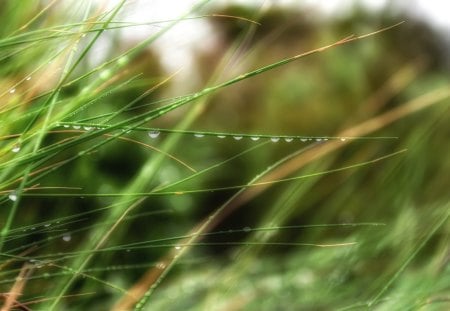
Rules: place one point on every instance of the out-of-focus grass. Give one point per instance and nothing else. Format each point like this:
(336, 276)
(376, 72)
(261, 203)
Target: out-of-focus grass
(96, 214)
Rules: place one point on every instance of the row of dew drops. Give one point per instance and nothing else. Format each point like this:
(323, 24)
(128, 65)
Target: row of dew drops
(156, 133)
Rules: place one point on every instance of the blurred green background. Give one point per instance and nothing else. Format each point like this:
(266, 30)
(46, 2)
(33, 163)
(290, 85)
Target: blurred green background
(262, 257)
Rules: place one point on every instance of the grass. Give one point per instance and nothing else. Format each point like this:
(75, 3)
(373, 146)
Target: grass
(315, 181)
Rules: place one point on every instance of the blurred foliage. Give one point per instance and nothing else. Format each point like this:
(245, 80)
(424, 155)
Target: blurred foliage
(320, 95)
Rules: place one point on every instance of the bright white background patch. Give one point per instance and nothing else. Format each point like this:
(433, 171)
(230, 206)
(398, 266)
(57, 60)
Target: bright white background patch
(177, 47)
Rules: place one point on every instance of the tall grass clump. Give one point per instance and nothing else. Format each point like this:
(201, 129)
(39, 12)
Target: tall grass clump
(302, 166)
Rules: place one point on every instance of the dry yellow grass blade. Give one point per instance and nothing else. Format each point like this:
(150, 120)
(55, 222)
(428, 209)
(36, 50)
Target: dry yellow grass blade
(12, 297)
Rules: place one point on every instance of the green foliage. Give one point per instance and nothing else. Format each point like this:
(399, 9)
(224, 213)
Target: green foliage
(307, 171)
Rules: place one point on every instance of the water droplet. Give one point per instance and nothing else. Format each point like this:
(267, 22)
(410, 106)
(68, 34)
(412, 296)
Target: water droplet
(254, 138)
(67, 237)
(198, 135)
(237, 137)
(88, 128)
(83, 35)
(66, 126)
(11, 91)
(123, 60)
(288, 139)
(303, 139)
(105, 74)
(160, 265)
(275, 139)
(154, 134)
(247, 229)
(318, 139)
(177, 247)
(13, 196)
(76, 127)
(128, 250)
(28, 78)
(47, 225)
(343, 139)
(221, 136)
(325, 139)
(16, 148)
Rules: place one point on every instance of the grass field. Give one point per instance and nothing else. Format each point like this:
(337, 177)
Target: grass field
(302, 166)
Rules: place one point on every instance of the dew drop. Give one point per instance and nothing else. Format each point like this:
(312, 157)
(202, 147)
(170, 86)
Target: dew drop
(123, 60)
(318, 139)
(254, 138)
(275, 139)
(221, 136)
(28, 78)
(237, 137)
(247, 229)
(83, 35)
(47, 225)
(303, 139)
(153, 134)
(177, 247)
(160, 265)
(105, 74)
(325, 139)
(13, 196)
(198, 135)
(66, 126)
(67, 237)
(343, 139)
(88, 128)
(11, 91)
(288, 139)
(16, 148)
(76, 127)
